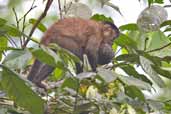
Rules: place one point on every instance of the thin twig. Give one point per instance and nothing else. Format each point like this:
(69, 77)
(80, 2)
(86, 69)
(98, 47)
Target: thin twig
(24, 17)
(17, 20)
(118, 51)
(32, 7)
(16, 17)
(60, 10)
(158, 49)
(11, 41)
(48, 4)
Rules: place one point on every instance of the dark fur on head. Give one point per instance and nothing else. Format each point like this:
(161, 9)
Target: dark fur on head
(113, 26)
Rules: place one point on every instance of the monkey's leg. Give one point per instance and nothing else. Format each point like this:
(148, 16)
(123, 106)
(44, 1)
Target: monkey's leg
(93, 61)
(39, 72)
(34, 70)
(92, 53)
(43, 73)
(79, 53)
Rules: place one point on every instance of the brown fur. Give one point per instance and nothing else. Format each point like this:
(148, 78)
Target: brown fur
(80, 36)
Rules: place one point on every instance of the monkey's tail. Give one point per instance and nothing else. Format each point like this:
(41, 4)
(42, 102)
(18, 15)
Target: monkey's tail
(39, 72)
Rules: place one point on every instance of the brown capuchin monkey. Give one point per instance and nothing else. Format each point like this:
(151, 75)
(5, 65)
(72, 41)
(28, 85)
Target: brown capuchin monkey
(79, 36)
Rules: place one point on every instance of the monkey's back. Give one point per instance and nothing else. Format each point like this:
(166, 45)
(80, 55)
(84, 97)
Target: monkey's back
(73, 30)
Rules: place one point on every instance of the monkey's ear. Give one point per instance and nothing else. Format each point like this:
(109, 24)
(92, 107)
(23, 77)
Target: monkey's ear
(108, 26)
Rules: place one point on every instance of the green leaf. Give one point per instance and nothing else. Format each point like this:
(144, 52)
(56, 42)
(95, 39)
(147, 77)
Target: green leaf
(146, 65)
(11, 30)
(159, 1)
(167, 29)
(154, 59)
(156, 40)
(113, 6)
(162, 72)
(125, 41)
(70, 83)
(40, 26)
(3, 42)
(46, 55)
(132, 58)
(64, 53)
(150, 2)
(17, 59)
(22, 95)
(167, 106)
(1, 55)
(131, 27)
(84, 75)
(130, 70)
(57, 74)
(9, 48)
(166, 23)
(69, 55)
(2, 22)
(134, 92)
(155, 1)
(99, 17)
(107, 75)
(139, 38)
(131, 81)
(155, 105)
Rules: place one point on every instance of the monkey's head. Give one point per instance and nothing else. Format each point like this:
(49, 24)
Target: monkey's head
(110, 32)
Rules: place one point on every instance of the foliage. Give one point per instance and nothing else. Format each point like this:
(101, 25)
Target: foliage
(141, 65)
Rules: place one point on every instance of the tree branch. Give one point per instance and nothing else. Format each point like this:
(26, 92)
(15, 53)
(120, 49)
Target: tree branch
(60, 10)
(48, 4)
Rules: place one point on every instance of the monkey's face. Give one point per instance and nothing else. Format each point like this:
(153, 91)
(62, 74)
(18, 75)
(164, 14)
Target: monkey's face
(110, 32)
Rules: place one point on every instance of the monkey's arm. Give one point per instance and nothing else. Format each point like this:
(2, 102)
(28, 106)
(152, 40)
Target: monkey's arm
(92, 49)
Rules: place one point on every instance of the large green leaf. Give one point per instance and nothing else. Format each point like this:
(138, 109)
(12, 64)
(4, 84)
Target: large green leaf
(134, 92)
(46, 55)
(146, 65)
(156, 40)
(131, 81)
(11, 30)
(162, 72)
(132, 58)
(107, 75)
(17, 59)
(130, 70)
(125, 41)
(2, 21)
(71, 83)
(3, 45)
(17, 90)
(131, 27)
(139, 38)
(155, 1)
(113, 6)
(99, 17)
(3, 42)
(166, 23)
